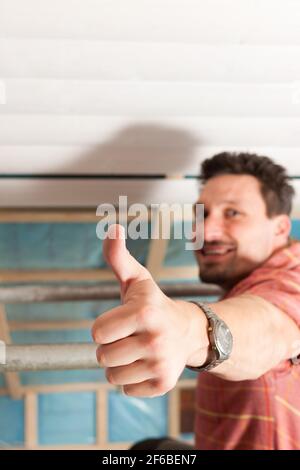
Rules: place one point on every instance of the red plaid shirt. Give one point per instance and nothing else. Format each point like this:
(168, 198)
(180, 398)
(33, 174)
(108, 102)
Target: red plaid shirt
(262, 413)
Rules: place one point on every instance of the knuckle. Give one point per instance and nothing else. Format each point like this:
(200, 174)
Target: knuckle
(110, 376)
(155, 368)
(146, 315)
(155, 346)
(104, 351)
(97, 334)
(129, 390)
(159, 387)
(158, 368)
(164, 385)
(100, 357)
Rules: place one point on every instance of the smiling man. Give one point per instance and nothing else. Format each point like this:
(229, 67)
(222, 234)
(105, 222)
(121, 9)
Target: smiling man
(244, 346)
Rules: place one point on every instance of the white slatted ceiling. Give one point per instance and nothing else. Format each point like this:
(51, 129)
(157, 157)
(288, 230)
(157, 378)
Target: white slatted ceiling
(168, 131)
(142, 87)
(197, 21)
(96, 160)
(116, 98)
(75, 59)
(53, 193)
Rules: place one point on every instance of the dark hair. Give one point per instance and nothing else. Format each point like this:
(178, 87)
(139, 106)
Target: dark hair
(275, 188)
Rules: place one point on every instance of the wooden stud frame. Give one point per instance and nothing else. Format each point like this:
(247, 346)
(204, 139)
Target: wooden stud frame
(30, 393)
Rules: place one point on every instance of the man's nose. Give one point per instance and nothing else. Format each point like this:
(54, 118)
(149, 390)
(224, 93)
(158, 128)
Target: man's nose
(213, 228)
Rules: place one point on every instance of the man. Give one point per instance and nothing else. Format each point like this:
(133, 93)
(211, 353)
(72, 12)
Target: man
(249, 396)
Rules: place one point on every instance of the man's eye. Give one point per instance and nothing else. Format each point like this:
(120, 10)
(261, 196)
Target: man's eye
(232, 213)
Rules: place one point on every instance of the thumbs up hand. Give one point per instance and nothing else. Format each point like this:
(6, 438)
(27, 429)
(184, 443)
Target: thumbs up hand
(146, 342)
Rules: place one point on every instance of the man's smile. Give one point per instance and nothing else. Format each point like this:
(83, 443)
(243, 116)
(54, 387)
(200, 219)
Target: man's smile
(215, 252)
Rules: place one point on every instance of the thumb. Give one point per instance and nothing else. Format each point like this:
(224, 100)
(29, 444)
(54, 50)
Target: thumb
(126, 268)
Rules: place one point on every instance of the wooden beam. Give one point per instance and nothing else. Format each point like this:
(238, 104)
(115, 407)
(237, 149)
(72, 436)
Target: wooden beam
(30, 420)
(174, 413)
(50, 325)
(83, 387)
(158, 248)
(101, 417)
(67, 215)
(12, 379)
(179, 272)
(61, 275)
(187, 383)
(56, 275)
(48, 216)
(63, 388)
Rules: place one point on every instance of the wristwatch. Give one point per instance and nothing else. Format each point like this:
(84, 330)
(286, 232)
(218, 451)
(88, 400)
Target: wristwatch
(220, 339)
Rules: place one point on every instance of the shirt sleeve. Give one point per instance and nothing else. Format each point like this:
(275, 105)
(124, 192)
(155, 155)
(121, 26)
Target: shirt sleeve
(283, 291)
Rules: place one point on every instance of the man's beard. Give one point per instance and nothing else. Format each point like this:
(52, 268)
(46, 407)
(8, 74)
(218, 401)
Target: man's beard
(216, 271)
(219, 277)
(223, 279)
(225, 276)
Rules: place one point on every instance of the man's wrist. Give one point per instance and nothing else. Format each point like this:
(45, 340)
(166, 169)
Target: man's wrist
(198, 332)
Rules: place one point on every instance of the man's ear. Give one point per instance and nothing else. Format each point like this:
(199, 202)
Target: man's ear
(282, 227)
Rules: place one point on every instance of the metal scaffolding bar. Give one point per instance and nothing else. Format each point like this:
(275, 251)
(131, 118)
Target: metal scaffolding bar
(36, 357)
(73, 293)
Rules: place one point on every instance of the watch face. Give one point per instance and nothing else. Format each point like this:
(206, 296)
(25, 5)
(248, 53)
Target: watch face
(223, 338)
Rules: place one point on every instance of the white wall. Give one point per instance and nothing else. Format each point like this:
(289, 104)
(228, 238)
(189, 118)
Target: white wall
(142, 87)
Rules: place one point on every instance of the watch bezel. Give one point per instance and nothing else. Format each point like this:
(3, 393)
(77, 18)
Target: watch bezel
(222, 353)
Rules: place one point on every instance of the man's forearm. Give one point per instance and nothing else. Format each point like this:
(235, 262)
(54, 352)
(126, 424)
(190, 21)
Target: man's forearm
(263, 336)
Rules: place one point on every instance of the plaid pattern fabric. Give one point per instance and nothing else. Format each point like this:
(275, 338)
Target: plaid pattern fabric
(264, 413)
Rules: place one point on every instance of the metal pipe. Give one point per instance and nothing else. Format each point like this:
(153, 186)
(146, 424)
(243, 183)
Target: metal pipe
(73, 293)
(36, 357)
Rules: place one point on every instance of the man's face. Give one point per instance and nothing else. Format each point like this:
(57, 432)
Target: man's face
(238, 234)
